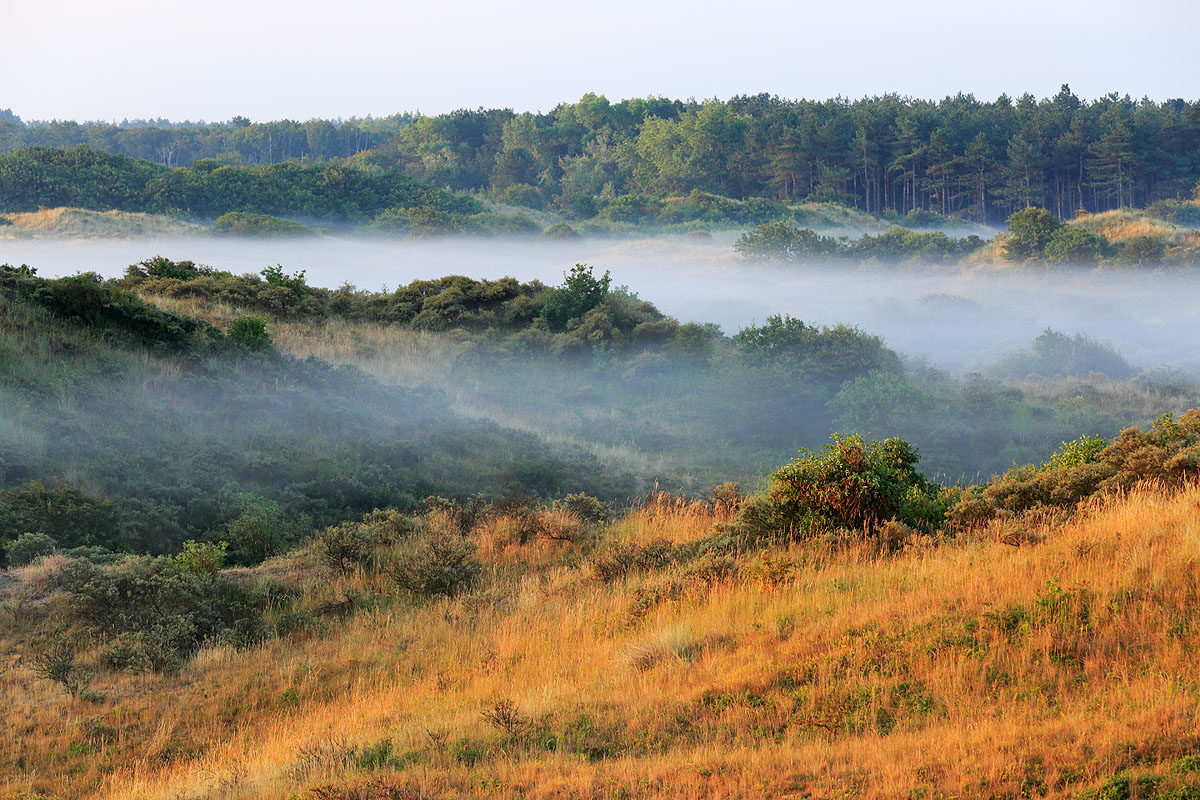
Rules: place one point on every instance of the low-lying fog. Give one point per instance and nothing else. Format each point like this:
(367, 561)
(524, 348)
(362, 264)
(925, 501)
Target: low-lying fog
(962, 320)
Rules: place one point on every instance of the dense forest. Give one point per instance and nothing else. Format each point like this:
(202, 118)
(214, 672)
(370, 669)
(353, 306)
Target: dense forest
(885, 155)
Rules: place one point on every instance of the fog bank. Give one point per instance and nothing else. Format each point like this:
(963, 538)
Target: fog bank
(962, 320)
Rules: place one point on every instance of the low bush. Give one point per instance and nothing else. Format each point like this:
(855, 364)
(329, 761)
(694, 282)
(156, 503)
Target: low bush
(250, 333)
(29, 547)
(440, 567)
(202, 558)
(344, 547)
(857, 485)
(241, 223)
(1167, 453)
(56, 658)
(156, 613)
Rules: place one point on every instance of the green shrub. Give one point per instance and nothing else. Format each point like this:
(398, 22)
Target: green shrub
(580, 292)
(1071, 244)
(1084, 450)
(260, 530)
(344, 547)
(1029, 231)
(857, 485)
(56, 658)
(561, 231)
(621, 559)
(1168, 453)
(779, 240)
(586, 507)
(202, 558)
(442, 566)
(829, 356)
(64, 513)
(155, 613)
(242, 223)
(29, 547)
(250, 333)
(1055, 354)
(428, 223)
(388, 526)
(1143, 250)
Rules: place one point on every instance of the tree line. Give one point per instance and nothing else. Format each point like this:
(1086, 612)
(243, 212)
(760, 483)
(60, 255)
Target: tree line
(889, 154)
(85, 177)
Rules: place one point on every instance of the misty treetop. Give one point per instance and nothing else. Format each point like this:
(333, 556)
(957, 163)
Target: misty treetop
(976, 159)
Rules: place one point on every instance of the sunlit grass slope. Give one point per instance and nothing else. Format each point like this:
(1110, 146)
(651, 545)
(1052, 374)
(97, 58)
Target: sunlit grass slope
(1037, 660)
(84, 223)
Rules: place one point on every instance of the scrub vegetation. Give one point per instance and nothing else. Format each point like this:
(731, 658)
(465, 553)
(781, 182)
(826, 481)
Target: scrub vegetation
(485, 537)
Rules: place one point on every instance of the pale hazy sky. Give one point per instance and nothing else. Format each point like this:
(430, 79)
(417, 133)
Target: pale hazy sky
(265, 59)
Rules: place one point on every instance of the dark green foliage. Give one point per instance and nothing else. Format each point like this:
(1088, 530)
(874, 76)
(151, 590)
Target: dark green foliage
(56, 658)
(153, 613)
(621, 559)
(428, 222)
(276, 276)
(29, 547)
(781, 241)
(1168, 453)
(586, 507)
(345, 546)
(1071, 244)
(1142, 250)
(261, 529)
(441, 566)
(161, 267)
(897, 244)
(112, 310)
(580, 292)
(250, 333)
(65, 514)
(855, 484)
(1029, 231)
(242, 223)
(1181, 212)
(87, 178)
(652, 159)
(1056, 354)
(827, 355)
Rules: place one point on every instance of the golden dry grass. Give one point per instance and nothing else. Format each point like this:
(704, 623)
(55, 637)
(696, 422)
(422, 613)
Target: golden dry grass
(965, 668)
(1126, 223)
(85, 223)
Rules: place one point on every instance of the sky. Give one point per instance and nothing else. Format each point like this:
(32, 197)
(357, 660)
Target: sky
(300, 59)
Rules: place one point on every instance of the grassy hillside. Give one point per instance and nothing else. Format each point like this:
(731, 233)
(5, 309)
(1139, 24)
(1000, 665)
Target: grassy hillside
(650, 658)
(187, 427)
(83, 223)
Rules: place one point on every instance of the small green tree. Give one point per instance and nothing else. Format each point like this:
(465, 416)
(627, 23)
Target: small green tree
(277, 277)
(1029, 231)
(580, 292)
(344, 547)
(259, 531)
